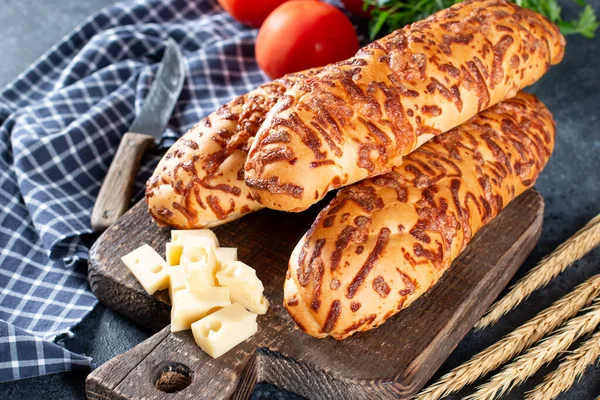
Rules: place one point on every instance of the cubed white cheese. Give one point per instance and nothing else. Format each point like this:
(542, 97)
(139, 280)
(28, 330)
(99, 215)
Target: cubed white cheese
(201, 237)
(189, 306)
(226, 254)
(177, 280)
(149, 268)
(178, 236)
(173, 253)
(244, 286)
(199, 266)
(200, 241)
(221, 331)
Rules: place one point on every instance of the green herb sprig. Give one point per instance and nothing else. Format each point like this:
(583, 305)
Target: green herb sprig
(389, 15)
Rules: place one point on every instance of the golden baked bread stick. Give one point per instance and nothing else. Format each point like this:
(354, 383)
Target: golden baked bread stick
(199, 182)
(383, 242)
(358, 118)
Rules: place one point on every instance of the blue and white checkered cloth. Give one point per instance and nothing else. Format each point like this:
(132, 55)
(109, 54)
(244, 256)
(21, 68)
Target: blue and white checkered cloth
(60, 125)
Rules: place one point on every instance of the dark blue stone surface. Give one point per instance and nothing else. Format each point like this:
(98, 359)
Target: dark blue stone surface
(570, 185)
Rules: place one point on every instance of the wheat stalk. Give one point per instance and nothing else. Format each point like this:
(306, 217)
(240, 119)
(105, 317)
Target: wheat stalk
(571, 367)
(515, 342)
(578, 245)
(529, 363)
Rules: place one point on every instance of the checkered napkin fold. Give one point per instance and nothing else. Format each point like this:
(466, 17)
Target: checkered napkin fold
(60, 125)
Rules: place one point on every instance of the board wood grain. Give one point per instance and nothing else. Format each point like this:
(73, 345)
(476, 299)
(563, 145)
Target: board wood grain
(392, 361)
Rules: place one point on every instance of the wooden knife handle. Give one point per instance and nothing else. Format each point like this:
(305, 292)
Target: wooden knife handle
(115, 193)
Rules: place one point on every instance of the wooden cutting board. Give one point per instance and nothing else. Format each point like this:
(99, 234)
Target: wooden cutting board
(392, 361)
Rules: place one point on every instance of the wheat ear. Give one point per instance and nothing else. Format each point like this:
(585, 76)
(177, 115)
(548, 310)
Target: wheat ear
(577, 246)
(571, 367)
(515, 342)
(529, 363)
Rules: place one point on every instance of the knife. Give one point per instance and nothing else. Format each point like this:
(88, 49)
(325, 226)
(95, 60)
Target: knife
(116, 191)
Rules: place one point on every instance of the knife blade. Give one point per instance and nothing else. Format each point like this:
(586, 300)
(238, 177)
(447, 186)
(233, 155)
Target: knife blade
(162, 97)
(146, 130)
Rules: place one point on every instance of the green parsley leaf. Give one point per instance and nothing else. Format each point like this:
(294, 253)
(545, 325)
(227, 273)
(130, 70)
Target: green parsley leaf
(389, 15)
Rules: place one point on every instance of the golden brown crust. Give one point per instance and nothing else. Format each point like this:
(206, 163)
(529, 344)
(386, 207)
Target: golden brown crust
(358, 118)
(199, 182)
(383, 242)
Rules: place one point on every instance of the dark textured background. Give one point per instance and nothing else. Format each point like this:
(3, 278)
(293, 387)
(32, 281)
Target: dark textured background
(570, 186)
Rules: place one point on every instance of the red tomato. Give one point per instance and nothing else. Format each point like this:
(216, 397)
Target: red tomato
(250, 12)
(304, 34)
(356, 8)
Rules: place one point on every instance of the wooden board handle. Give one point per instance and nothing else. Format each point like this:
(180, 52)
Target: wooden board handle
(115, 193)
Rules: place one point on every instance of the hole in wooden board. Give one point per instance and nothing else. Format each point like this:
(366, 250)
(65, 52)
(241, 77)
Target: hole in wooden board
(173, 377)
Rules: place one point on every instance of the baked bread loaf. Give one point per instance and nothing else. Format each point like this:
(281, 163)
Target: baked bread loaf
(358, 118)
(199, 182)
(383, 242)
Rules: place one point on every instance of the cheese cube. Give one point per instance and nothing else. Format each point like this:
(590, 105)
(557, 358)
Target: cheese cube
(173, 253)
(226, 254)
(244, 286)
(199, 241)
(177, 280)
(221, 331)
(149, 268)
(202, 237)
(189, 306)
(178, 236)
(199, 266)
